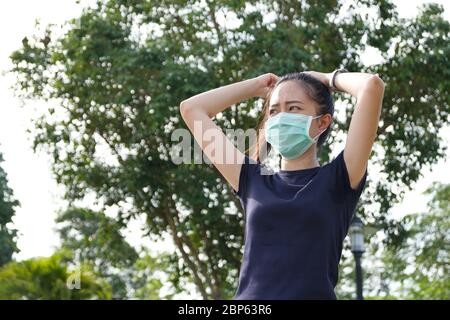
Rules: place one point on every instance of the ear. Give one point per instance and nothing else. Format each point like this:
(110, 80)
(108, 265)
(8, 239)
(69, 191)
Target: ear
(325, 121)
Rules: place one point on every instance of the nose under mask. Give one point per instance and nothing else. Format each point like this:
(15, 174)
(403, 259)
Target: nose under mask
(288, 134)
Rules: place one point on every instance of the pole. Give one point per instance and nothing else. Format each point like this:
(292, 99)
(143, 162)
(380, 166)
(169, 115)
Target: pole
(359, 276)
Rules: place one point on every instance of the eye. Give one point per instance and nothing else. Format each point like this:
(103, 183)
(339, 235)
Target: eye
(296, 108)
(272, 111)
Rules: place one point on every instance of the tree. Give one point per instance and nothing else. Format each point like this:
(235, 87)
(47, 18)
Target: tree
(96, 240)
(148, 277)
(118, 90)
(8, 204)
(416, 268)
(49, 278)
(422, 261)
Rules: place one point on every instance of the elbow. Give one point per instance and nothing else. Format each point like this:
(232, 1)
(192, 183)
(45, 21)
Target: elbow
(375, 82)
(184, 109)
(189, 111)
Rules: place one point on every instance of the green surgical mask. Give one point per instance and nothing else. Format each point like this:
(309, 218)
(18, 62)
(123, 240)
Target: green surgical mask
(288, 134)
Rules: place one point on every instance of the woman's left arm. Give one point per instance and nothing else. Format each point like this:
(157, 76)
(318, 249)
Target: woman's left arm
(369, 91)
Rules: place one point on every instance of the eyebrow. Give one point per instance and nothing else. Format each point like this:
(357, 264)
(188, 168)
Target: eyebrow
(287, 102)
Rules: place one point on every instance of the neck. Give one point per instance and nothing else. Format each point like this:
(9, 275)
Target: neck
(305, 161)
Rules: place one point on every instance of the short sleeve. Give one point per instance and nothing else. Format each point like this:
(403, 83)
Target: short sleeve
(342, 192)
(341, 181)
(248, 170)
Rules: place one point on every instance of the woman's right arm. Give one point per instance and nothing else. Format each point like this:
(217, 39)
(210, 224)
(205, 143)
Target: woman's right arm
(197, 112)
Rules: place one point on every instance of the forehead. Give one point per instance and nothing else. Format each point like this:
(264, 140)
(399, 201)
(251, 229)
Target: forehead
(288, 91)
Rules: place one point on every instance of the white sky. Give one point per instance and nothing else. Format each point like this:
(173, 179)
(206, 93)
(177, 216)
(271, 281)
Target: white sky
(29, 174)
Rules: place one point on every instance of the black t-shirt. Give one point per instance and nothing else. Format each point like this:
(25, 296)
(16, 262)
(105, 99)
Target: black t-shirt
(296, 222)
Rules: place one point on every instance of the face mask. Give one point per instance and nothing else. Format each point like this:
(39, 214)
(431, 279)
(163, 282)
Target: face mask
(288, 133)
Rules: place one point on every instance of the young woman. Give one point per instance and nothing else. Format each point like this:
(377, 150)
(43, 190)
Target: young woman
(298, 217)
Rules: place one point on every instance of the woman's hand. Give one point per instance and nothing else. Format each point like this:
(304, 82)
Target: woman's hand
(265, 83)
(322, 77)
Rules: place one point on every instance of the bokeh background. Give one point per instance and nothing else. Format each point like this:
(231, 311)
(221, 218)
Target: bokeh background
(91, 207)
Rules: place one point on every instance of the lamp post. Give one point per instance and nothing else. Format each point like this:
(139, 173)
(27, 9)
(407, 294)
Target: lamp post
(357, 244)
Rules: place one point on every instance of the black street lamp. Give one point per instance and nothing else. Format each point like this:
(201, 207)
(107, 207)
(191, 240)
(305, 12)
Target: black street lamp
(357, 243)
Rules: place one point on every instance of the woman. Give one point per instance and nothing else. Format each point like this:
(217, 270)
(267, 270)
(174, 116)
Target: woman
(297, 218)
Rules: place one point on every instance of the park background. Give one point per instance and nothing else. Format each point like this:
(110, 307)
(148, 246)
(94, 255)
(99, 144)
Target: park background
(87, 190)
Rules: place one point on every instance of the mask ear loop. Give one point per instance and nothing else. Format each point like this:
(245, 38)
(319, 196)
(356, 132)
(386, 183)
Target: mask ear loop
(310, 120)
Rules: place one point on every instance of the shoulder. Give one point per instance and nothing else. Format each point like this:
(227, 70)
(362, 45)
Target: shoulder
(337, 170)
(251, 170)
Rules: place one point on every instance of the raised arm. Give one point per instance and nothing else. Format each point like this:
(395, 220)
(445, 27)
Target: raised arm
(369, 91)
(198, 110)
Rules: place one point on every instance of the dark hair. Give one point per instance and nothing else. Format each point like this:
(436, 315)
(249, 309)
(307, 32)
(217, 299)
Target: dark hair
(315, 89)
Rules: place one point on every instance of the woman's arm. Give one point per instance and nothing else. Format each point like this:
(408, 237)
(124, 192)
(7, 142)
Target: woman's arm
(369, 91)
(198, 110)
(216, 100)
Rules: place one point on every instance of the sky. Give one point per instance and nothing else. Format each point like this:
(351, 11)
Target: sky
(29, 173)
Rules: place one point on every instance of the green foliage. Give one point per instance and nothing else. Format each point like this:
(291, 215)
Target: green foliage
(418, 267)
(119, 90)
(47, 279)
(149, 272)
(7, 209)
(423, 260)
(96, 240)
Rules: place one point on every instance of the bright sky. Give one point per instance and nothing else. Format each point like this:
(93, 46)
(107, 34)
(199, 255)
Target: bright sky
(29, 174)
